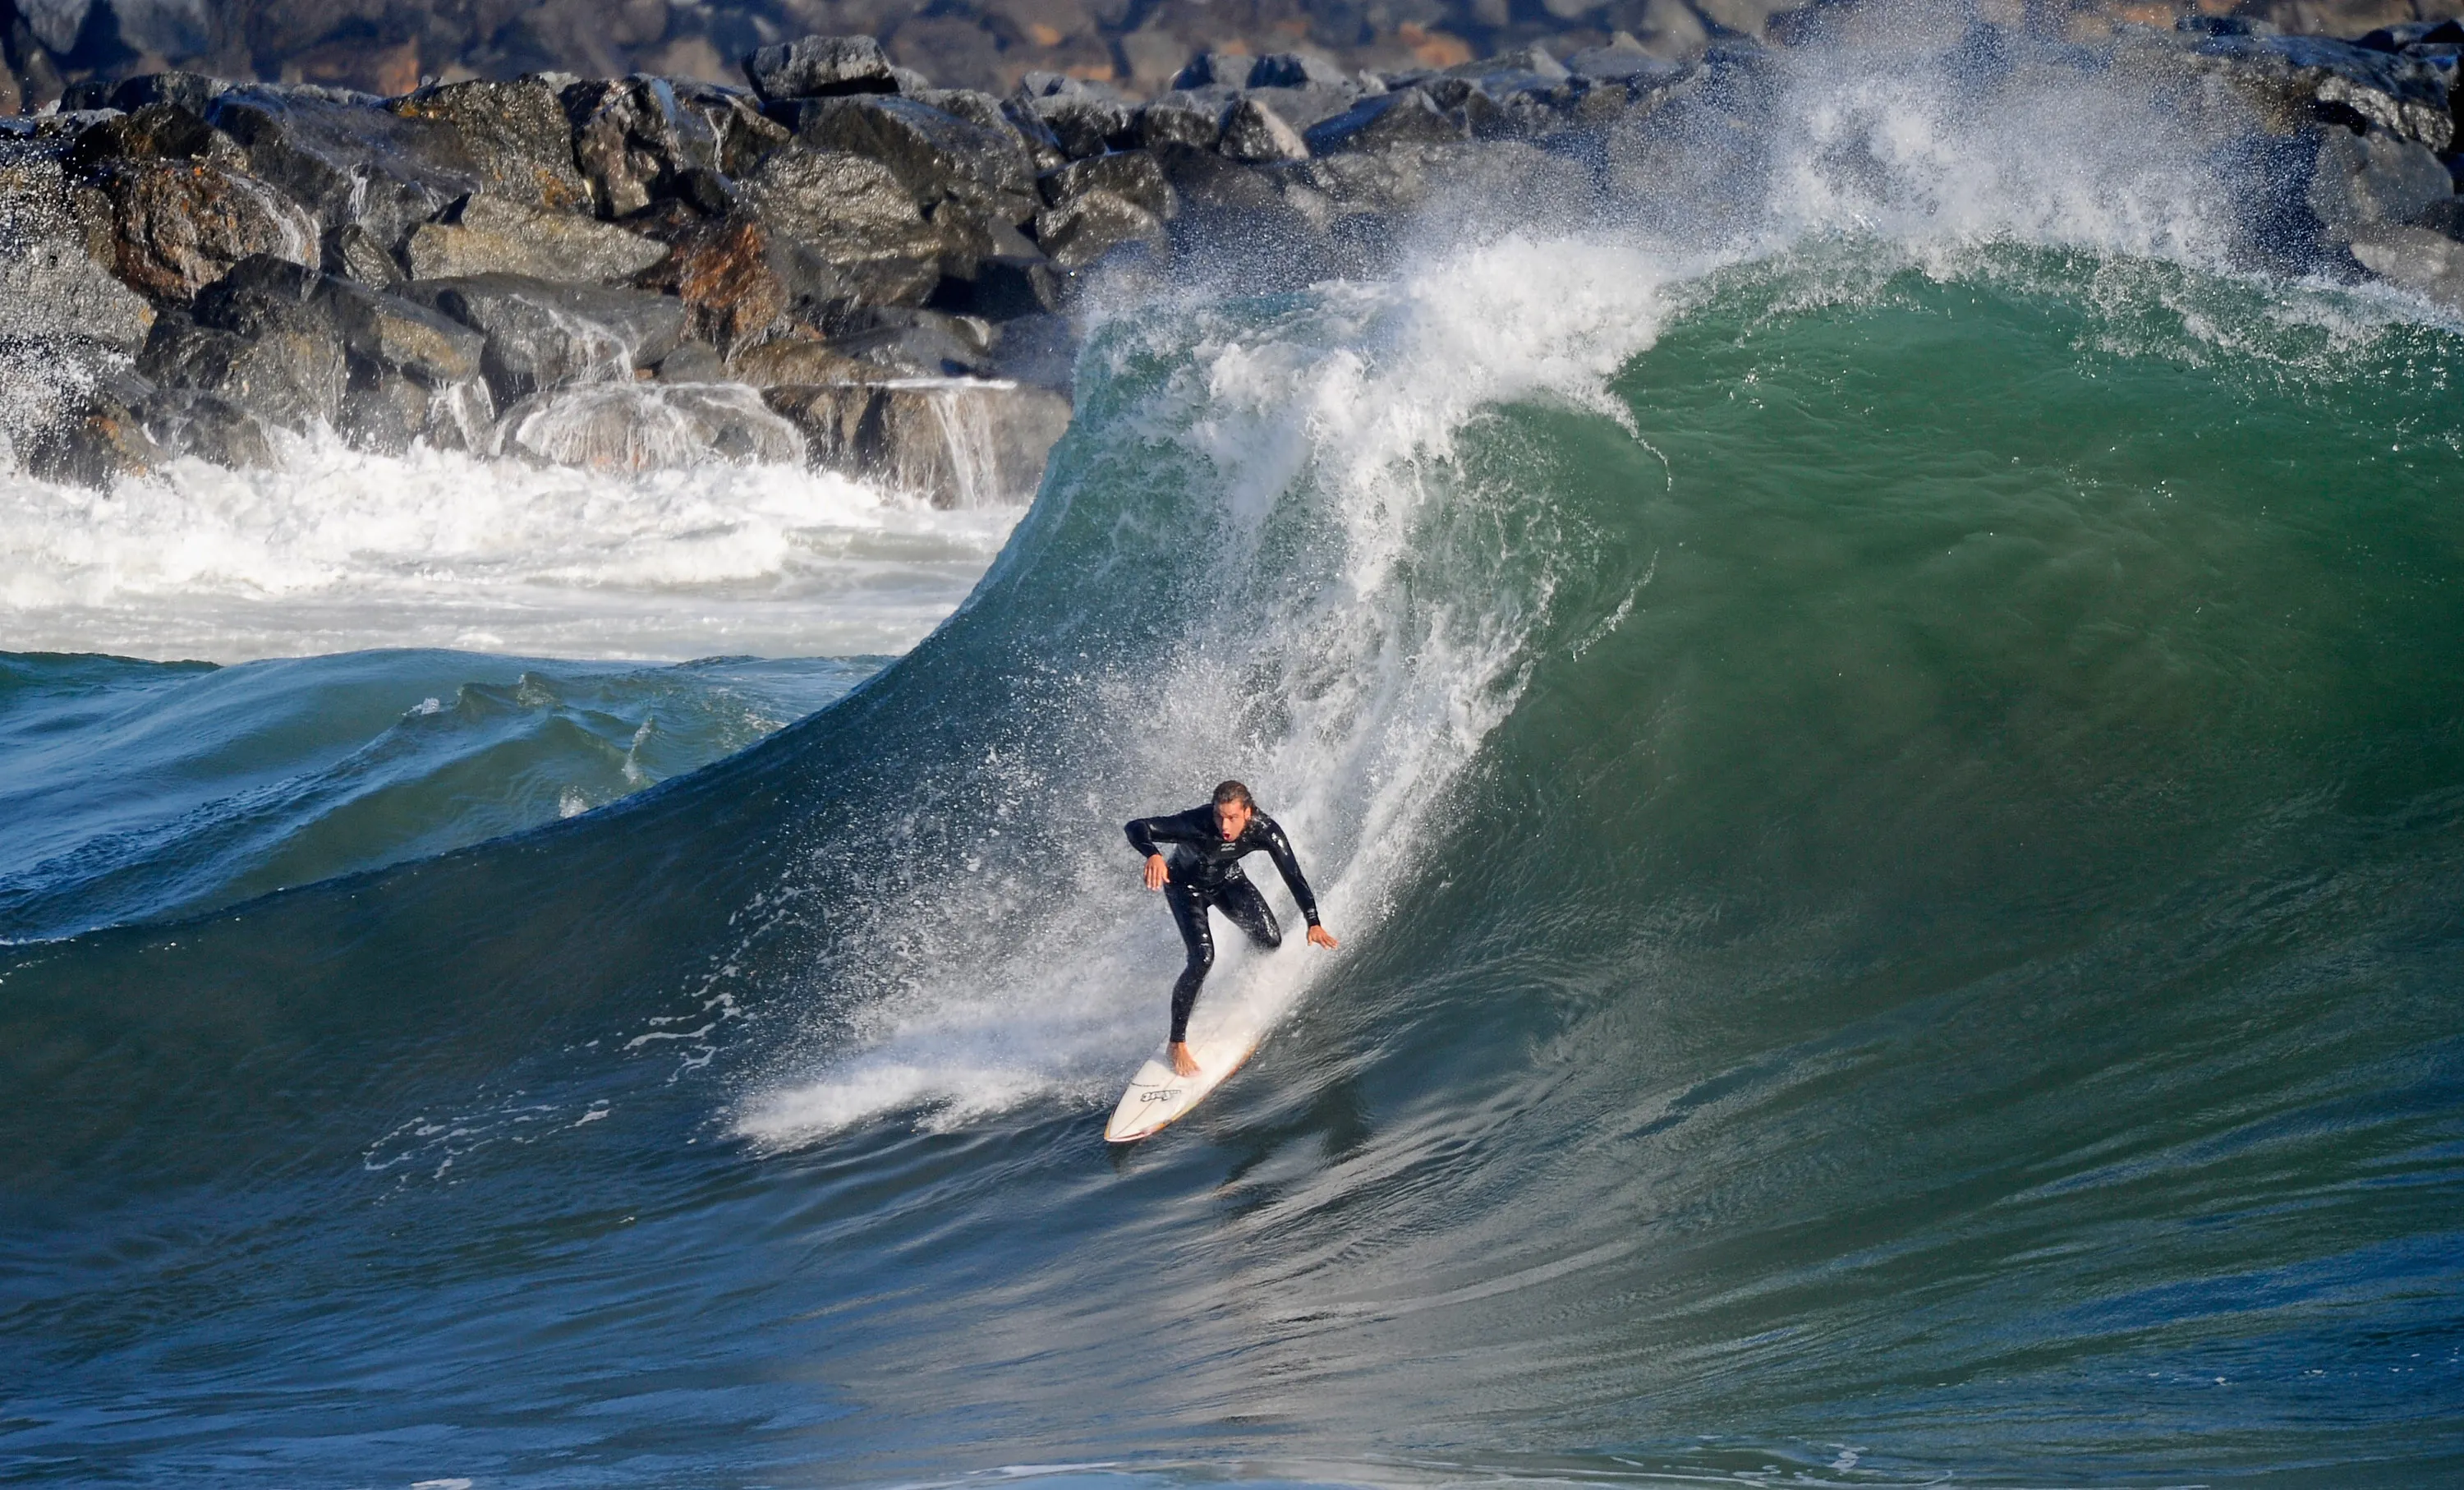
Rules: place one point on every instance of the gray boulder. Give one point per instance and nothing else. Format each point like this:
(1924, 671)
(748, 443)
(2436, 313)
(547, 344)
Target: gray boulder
(1410, 117)
(291, 375)
(2294, 79)
(52, 285)
(515, 137)
(207, 426)
(178, 226)
(957, 443)
(1179, 118)
(821, 67)
(2358, 180)
(542, 334)
(1094, 223)
(843, 230)
(1084, 123)
(1133, 176)
(636, 142)
(1254, 132)
(487, 235)
(2418, 258)
(937, 155)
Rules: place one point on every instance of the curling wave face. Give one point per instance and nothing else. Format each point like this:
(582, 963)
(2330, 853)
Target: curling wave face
(1887, 762)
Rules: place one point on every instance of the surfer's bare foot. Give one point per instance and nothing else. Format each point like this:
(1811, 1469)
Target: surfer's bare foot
(1183, 1060)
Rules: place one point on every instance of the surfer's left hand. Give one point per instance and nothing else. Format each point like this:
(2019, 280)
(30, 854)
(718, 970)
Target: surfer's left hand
(1320, 937)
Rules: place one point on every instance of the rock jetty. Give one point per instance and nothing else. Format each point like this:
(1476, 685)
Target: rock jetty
(844, 264)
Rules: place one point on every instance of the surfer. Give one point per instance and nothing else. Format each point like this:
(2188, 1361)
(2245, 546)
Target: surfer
(1205, 870)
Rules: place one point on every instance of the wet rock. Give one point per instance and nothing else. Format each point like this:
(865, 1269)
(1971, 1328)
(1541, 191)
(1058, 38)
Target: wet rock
(1009, 286)
(193, 92)
(957, 443)
(799, 361)
(1179, 118)
(99, 437)
(1253, 132)
(178, 226)
(1093, 224)
(207, 426)
(2361, 180)
(1410, 117)
(843, 230)
(51, 284)
(1132, 175)
(542, 334)
(1623, 64)
(2296, 79)
(693, 362)
(1083, 122)
(822, 67)
(649, 427)
(908, 342)
(636, 142)
(160, 132)
(292, 377)
(350, 163)
(515, 137)
(937, 155)
(485, 235)
(745, 136)
(354, 252)
(2413, 33)
(2417, 259)
(721, 272)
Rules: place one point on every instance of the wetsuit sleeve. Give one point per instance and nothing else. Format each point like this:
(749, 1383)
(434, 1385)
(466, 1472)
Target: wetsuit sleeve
(1145, 833)
(1280, 849)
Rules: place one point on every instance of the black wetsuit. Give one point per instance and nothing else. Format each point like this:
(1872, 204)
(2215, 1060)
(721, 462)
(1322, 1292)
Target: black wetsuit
(1206, 871)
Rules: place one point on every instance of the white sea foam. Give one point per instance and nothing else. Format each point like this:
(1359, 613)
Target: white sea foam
(1354, 701)
(338, 550)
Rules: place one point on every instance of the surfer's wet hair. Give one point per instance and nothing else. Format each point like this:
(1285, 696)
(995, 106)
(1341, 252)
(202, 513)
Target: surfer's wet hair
(1234, 792)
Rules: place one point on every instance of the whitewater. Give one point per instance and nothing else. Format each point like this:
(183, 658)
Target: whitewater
(1867, 679)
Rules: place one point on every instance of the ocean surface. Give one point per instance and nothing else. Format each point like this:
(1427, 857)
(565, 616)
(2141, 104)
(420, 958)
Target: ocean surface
(1891, 776)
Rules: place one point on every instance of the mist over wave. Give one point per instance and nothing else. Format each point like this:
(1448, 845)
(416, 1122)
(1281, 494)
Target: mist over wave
(1872, 694)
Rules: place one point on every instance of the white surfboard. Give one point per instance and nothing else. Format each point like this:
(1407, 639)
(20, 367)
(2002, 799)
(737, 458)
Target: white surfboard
(1159, 1096)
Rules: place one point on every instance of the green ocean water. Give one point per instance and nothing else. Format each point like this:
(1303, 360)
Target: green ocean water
(1895, 821)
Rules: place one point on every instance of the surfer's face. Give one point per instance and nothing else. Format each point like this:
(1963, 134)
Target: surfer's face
(1231, 819)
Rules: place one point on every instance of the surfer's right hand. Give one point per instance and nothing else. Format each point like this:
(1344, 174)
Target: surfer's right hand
(1157, 874)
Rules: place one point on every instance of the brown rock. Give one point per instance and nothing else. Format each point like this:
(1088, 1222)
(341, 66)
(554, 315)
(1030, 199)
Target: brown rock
(485, 235)
(520, 142)
(721, 271)
(843, 230)
(180, 225)
(788, 361)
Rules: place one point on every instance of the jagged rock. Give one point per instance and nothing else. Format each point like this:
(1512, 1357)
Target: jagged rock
(908, 342)
(52, 285)
(821, 67)
(1132, 175)
(1293, 69)
(156, 131)
(2417, 259)
(99, 435)
(207, 426)
(722, 273)
(2294, 79)
(2361, 180)
(354, 252)
(843, 230)
(693, 362)
(1094, 223)
(516, 137)
(484, 236)
(1010, 286)
(635, 143)
(544, 336)
(193, 92)
(1179, 118)
(1085, 122)
(1407, 117)
(745, 134)
(292, 379)
(794, 360)
(1216, 70)
(2413, 33)
(956, 443)
(1625, 61)
(638, 426)
(349, 164)
(937, 155)
(1253, 132)
(181, 225)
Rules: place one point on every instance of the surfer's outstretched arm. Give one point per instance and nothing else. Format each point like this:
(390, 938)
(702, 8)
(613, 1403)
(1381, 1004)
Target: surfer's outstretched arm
(1287, 865)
